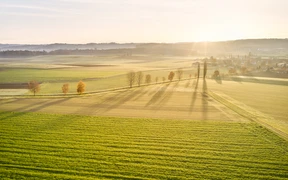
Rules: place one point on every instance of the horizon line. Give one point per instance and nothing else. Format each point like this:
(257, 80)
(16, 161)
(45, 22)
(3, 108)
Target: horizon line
(143, 42)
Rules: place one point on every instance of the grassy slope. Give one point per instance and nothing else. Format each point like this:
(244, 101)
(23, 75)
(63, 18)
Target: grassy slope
(49, 146)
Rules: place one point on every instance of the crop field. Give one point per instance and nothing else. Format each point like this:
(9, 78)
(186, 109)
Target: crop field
(231, 128)
(98, 72)
(16, 75)
(187, 99)
(269, 99)
(176, 100)
(47, 146)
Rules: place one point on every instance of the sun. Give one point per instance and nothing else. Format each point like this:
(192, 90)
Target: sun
(219, 34)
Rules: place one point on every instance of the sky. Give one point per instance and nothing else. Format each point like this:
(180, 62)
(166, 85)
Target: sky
(125, 21)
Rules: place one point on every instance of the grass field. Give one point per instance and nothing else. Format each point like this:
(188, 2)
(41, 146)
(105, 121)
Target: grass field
(46, 146)
(269, 99)
(98, 72)
(18, 75)
(180, 130)
(176, 100)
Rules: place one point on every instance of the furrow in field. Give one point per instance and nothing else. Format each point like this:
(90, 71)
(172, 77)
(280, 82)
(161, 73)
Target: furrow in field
(81, 146)
(159, 167)
(136, 153)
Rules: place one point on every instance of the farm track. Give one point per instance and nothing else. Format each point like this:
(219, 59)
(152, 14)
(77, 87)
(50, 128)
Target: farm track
(42, 146)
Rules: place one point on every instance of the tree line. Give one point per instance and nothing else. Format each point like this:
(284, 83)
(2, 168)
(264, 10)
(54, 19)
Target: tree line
(137, 77)
(132, 77)
(34, 87)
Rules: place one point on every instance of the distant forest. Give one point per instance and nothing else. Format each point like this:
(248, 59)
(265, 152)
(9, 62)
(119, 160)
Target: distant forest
(261, 47)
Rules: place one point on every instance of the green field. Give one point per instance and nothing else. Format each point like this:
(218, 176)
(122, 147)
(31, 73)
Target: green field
(231, 128)
(268, 99)
(20, 75)
(46, 146)
(98, 72)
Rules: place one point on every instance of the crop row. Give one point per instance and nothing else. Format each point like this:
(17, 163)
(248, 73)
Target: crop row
(45, 146)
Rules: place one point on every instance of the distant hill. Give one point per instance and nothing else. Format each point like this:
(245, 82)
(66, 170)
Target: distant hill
(260, 47)
(274, 47)
(57, 46)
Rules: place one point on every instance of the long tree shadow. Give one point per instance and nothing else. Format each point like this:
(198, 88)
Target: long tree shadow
(194, 95)
(158, 95)
(104, 104)
(145, 91)
(152, 90)
(204, 99)
(167, 96)
(18, 101)
(37, 108)
(188, 83)
(127, 96)
(218, 80)
(20, 110)
(27, 108)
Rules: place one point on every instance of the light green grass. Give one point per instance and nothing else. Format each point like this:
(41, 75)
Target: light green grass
(109, 82)
(268, 98)
(45, 146)
(14, 75)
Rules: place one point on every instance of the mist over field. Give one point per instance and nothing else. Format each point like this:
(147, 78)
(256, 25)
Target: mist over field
(268, 47)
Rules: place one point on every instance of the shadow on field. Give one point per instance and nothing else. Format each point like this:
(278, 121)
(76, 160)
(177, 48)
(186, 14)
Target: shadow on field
(115, 101)
(42, 106)
(9, 115)
(141, 94)
(25, 107)
(204, 99)
(157, 96)
(218, 80)
(188, 83)
(194, 95)
(152, 90)
(126, 97)
(35, 107)
(167, 96)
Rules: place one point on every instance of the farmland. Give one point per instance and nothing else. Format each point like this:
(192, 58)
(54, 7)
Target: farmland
(98, 72)
(47, 146)
(201, 129)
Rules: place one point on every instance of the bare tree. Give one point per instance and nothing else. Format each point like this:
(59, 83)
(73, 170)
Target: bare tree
(205, 70)
(34, 87)
(131, 78)
(156, 80)
(148, 79)
(81, 87)
(163, 79)
(171, 76)
(139, 77)
(65, 88)
(179, 73)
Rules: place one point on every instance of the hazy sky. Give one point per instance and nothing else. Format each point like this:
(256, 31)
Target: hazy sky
(84, 21)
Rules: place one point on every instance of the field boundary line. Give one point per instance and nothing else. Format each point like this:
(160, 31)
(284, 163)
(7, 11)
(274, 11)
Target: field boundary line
(248, 112)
